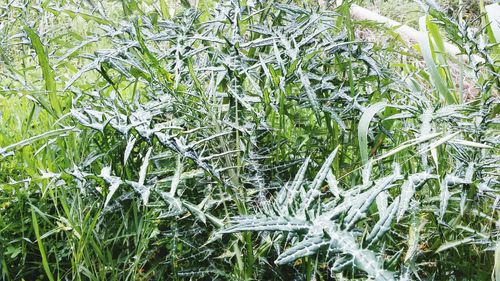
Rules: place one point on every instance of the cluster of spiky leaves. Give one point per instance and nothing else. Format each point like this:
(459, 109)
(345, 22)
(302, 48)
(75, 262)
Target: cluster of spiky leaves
(267, 120)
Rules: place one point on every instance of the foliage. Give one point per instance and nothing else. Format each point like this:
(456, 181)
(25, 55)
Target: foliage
(243, 140)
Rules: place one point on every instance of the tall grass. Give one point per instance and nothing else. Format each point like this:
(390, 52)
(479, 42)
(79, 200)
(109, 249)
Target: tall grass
(243, 140)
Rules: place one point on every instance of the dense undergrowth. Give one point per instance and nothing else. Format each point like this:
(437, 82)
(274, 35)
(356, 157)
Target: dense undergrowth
(245, 140)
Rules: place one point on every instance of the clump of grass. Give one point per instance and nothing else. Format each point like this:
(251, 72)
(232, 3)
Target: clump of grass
(246, 141)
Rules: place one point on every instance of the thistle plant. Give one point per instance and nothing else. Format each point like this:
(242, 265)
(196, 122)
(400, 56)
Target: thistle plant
(245, 140)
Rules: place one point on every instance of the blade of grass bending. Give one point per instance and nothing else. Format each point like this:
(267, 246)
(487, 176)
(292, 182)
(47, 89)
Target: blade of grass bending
(425, 48)
(364, 124)
(4, 151)
(48, 75)
(471, 144)
(440, 53)
(74, 14)
(401, 147)
(407, 144)
(454, 244)
(439, 142)
(45, 262)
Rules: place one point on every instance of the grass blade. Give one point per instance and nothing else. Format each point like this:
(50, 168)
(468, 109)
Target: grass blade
(363, 126)
(425, 48)
(47, 72)
(45, 262)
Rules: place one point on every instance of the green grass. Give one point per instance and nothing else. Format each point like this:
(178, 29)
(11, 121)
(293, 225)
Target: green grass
(240, 141)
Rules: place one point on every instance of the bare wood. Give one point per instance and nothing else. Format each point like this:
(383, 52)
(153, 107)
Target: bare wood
(407, 33)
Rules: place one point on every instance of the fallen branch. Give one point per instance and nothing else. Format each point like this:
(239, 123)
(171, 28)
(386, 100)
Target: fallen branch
(407, 33)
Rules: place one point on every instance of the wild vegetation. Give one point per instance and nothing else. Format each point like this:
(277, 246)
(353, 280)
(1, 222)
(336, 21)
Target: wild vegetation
(245, 140)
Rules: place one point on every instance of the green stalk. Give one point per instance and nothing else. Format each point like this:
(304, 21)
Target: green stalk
(41, 247)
